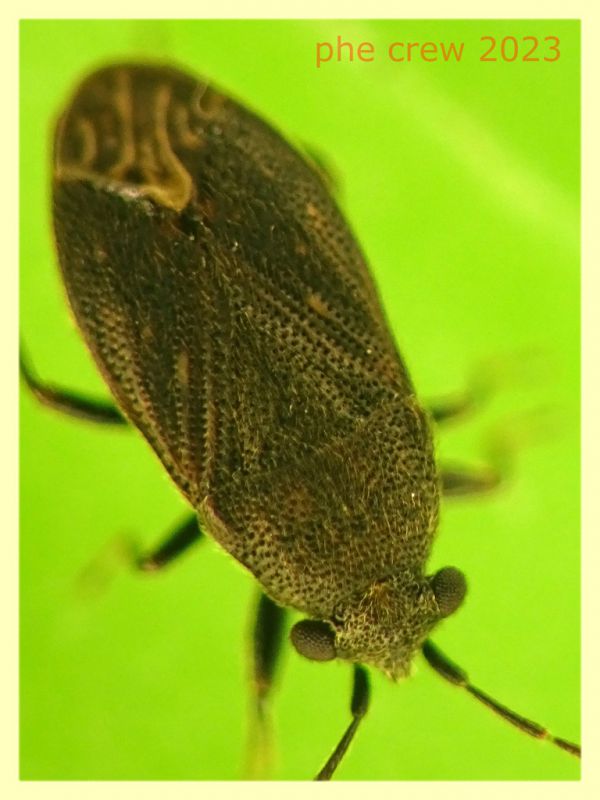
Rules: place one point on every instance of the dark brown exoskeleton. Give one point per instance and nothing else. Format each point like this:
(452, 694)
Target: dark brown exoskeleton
(235, 321)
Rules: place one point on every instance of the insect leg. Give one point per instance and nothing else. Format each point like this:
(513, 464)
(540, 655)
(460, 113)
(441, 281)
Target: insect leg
(268, 632)
(177, 542)
(359, 706)
(501, 445)
(267, 637)
(67, 402)
(452, 408)
(124, 551)
(454, 674)
(458, 481)
(488, 377)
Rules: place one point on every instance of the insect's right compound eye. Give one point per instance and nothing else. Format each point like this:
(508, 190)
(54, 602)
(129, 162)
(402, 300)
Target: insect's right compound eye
(314, 639)
(449, 587)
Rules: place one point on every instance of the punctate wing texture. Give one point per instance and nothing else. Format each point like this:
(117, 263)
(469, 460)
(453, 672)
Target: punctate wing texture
(233, 316)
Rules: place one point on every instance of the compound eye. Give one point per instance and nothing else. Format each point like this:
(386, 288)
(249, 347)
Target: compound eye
(314, 639)
(449, 587)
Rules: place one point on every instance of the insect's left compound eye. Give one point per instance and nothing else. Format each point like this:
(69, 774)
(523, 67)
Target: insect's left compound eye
(449, 587)
(314, 639)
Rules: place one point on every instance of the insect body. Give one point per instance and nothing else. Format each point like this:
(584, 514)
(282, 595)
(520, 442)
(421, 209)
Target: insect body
(234, 319)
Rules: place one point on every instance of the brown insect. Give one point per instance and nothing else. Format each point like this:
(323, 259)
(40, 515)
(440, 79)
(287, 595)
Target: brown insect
(233, 316)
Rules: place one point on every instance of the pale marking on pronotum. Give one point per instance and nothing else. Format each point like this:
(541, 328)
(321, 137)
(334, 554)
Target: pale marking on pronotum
(206, 102)
(196, 100)
(144, 143)
(123, 107)
(188, 137)
(88, 140)
(176, 188)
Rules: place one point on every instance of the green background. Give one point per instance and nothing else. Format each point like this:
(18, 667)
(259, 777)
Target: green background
(462, 183)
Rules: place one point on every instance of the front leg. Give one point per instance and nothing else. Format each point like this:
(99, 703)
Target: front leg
(267, 636)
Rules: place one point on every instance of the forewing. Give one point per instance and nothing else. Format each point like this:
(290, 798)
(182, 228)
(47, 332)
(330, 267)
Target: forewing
(215, 281)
